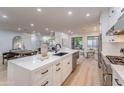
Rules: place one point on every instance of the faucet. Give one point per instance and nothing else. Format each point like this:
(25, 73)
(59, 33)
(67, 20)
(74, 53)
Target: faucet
(56, 50)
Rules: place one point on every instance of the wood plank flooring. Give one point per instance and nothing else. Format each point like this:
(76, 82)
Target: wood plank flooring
(87, 73)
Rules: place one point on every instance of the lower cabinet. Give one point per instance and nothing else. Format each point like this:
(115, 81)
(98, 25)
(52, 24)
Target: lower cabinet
(57, 73)
(43, 76)
(117, 80)
(67, 67)
(51, 74)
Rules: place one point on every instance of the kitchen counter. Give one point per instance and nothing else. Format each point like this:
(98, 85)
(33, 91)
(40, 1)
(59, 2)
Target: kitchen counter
(118, 68)
(34, 62)
(33, 71)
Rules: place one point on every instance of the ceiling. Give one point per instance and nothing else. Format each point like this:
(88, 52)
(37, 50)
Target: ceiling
(53, 18)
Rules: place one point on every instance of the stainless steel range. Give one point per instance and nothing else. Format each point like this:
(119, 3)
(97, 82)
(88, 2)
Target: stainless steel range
(107, 70)
(118, 60)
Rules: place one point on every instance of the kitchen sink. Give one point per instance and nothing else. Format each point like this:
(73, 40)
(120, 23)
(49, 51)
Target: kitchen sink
(61, 54)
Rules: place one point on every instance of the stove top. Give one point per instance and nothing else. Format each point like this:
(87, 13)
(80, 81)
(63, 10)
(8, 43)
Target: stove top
(116, 60)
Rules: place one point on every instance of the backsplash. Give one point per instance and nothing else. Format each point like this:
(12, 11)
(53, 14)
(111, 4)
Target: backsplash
(112, 48)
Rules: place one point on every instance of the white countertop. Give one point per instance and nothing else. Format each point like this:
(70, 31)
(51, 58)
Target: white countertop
(119, 69)
(34, 62)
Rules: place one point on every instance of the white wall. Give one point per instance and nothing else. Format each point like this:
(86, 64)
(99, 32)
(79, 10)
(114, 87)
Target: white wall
(6, 40)
(62, 38)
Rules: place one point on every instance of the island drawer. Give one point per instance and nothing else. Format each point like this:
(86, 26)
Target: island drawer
(43, 73)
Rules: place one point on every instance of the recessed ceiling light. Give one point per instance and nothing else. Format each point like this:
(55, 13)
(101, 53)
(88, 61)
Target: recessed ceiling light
(39, 10)
(32, 25)
(51, 31)
(19, 29)
(46, 29)
(69, 31)
(72, 32)
(88, 14)
(4, 16)
(69, 12)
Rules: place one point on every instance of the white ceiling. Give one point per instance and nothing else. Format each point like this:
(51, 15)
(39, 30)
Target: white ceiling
(56, 19)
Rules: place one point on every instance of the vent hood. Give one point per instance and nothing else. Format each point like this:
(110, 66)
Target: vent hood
(118, 28)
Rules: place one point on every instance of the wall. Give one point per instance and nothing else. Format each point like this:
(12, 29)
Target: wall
(6, 41)
(62, 38)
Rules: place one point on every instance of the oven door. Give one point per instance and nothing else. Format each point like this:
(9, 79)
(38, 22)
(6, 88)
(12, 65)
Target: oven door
(107, 74)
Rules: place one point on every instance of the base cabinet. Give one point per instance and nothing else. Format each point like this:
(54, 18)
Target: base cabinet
(117, 80)
(57, 73)
(53, 74)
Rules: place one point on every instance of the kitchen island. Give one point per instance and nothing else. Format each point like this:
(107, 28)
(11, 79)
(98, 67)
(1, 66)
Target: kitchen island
(34, 71)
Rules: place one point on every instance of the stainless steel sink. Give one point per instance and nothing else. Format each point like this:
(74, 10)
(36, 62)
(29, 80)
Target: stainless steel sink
(61, 54)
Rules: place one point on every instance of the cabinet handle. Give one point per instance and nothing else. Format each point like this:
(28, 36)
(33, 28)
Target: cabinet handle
(112, 11)
(45, 83)
(44, 72)
(68, 62)
(118, 82)
(58, 69)
(122, 10)
(58, 64)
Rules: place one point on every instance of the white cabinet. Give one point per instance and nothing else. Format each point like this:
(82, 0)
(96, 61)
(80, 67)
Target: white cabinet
(67, 67)
(53, 73)
(42, 76)
(117, 80)
(113, 16)
(120, 11)
(57, 73)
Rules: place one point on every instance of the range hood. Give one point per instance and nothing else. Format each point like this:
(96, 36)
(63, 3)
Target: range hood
(118, 28)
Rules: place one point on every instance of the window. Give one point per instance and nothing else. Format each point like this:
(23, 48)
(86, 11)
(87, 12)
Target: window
(77, 43)
(92, 41)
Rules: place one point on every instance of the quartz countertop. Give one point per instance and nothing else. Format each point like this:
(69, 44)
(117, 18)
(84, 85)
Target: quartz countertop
(119, 69)
(34, 62)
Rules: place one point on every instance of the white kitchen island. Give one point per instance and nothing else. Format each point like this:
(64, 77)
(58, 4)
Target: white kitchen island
(31, 70)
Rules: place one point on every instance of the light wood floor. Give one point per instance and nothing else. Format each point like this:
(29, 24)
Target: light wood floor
(87, 73)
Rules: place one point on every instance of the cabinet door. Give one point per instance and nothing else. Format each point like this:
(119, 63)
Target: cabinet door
(117, 80)
(120, 11)
(67, 67)
(57, 73)
(113, 16)
(42, 76)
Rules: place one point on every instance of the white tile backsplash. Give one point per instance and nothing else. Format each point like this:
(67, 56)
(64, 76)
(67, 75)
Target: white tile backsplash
(112, 48)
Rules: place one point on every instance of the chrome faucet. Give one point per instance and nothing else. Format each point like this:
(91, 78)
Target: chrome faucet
(56, 50)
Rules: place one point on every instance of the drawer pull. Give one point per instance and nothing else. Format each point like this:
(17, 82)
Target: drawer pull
(118, 82)
(58, 64)
(58, 69)
(68, 62)
(44, 72)
(45, 83)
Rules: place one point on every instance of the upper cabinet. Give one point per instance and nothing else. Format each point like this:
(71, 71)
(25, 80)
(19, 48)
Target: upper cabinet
(108, 19)
(115, 14)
